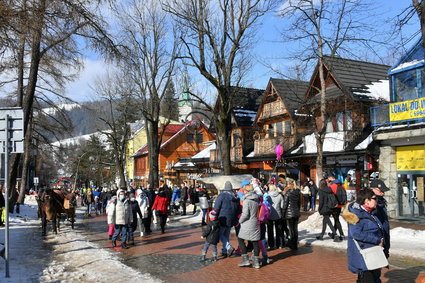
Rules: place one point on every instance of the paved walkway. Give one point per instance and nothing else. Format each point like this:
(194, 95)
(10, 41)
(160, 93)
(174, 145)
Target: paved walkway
(173, 257)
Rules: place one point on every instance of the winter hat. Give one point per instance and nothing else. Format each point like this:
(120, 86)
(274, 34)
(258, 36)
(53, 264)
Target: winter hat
(244, 183)
(228, 186)
(379, 184)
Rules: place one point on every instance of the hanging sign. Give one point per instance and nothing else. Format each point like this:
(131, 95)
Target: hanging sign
(407, 110)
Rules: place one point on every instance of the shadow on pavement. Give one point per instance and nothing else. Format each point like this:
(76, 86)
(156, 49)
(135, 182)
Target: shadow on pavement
(404, 275)
(288, 253)
(188, 245)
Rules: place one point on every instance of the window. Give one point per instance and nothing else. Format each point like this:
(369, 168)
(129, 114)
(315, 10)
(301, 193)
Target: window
(348, 121)
(339, 122)
(189, 138)
(288, 128)
(279, 130)
(199, 138)
(271, 131)
(406, 86)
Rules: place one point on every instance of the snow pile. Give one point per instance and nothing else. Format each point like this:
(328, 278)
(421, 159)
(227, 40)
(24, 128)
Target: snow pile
(404, 242)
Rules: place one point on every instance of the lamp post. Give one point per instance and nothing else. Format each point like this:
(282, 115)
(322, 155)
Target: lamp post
(78, 166)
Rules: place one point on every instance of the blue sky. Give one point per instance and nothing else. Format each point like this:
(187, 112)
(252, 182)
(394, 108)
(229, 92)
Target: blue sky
(269, 49)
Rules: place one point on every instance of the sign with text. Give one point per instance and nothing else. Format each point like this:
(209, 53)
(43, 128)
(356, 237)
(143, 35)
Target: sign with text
(407, 110)
(12, 119)
(410, 158)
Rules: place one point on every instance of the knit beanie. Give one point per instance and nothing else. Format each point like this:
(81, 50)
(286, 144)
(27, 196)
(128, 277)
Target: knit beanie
(228, 186)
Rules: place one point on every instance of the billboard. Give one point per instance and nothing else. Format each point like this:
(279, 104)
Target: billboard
(407, 110)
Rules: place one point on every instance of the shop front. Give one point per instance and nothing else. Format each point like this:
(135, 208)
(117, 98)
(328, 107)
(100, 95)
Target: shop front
(410, 163)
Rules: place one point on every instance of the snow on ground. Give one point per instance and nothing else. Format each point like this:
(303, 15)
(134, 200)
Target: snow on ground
(72, 259)
(404, 242)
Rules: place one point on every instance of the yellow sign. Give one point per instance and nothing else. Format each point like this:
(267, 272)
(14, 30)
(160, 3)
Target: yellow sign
(407, 110)
(410, 158)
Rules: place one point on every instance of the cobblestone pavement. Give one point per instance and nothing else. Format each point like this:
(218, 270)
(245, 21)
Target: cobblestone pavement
(174, 257)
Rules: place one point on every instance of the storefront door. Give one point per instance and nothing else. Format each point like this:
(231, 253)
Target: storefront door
(411, 194)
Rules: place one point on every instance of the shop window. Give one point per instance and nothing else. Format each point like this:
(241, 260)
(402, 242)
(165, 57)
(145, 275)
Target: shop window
(339, 122)
(279, 130)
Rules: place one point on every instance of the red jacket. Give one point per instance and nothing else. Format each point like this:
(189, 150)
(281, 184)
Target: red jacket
(334, 186)
(160, 204)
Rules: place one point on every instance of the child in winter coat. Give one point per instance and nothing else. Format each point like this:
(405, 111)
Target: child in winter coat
(109, 211)
(212, 236)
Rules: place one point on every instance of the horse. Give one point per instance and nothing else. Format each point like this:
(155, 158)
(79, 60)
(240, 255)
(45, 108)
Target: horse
(49, 208)
(69, 204)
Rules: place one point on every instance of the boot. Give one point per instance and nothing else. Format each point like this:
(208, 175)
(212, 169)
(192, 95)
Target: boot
(245, 261)
(202, 258)
(114, 243)
(214, 257)
(255, 262)
(265, 260)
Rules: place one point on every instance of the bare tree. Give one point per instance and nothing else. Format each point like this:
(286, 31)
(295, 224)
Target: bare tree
(122, 110)
(39, 46)
(149, 58)
(419, 7)
(216, 37)
(326, 28)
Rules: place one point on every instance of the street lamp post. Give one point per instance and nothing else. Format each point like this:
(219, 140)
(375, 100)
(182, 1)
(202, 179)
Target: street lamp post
(78, 166)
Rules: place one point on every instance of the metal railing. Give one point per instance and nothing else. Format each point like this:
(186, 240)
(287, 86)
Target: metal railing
(380, 116)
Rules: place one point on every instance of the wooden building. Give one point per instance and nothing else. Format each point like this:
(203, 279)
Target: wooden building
(179, 141)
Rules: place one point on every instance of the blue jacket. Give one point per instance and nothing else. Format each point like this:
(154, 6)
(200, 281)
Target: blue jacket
(381, 213)
(227, 207)
(366, 229)
(176, 195)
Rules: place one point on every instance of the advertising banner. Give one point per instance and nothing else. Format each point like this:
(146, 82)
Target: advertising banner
(407, 110)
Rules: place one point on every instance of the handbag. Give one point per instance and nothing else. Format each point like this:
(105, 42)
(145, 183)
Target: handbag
(373, 257)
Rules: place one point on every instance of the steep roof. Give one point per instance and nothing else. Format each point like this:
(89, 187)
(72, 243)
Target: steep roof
(291, 92)
(357, 79)
(246, 102)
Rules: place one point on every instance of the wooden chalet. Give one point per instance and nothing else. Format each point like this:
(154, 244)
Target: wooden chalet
(179, 141)
(277, 123)
(352, 87)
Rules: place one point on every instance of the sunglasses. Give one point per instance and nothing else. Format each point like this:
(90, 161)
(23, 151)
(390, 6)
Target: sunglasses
(373, 198)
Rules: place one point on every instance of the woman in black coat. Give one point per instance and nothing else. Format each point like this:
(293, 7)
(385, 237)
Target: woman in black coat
(291, 212)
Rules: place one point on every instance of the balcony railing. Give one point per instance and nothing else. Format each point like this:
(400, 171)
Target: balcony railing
(273, 109)
(266, 146)
(403, 113)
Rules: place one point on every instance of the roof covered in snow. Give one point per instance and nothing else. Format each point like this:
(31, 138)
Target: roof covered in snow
(204, 153)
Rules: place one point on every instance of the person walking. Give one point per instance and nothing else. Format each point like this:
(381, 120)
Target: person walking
(193, 198)
(143, 201)
(203, 203)
(151, 197)
(161, 208)
(366, 229)
(89, 201)
(249, 230)
(227, 208)
(379, 188)
(305, 191)
(291, 212)
(136, 212)
(313, 195)
(275, 237)
(121, 216)
(184, 197)
(334, 184)
(212, 236)
(327, 201)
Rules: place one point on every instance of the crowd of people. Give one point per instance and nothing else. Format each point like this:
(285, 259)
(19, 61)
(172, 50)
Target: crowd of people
(264, 217)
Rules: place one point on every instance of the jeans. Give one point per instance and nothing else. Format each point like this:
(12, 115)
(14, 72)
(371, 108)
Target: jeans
(123, 229)
(204, 214)
(213, 248)
(88, 208)
(224, 238)
(312, 202)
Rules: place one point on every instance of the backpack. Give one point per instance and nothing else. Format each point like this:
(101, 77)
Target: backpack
(341, 195)
(263, 213)
(331, 201)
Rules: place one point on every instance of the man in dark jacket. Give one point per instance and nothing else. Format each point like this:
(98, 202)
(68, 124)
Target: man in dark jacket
(135, 209)
(291, 212)
(313, 194)
(184, 196)
(151, 196)
(379, 188)
(227, 207)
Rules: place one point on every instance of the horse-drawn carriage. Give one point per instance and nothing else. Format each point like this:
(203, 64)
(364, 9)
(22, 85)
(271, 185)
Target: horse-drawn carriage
(55, 204)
